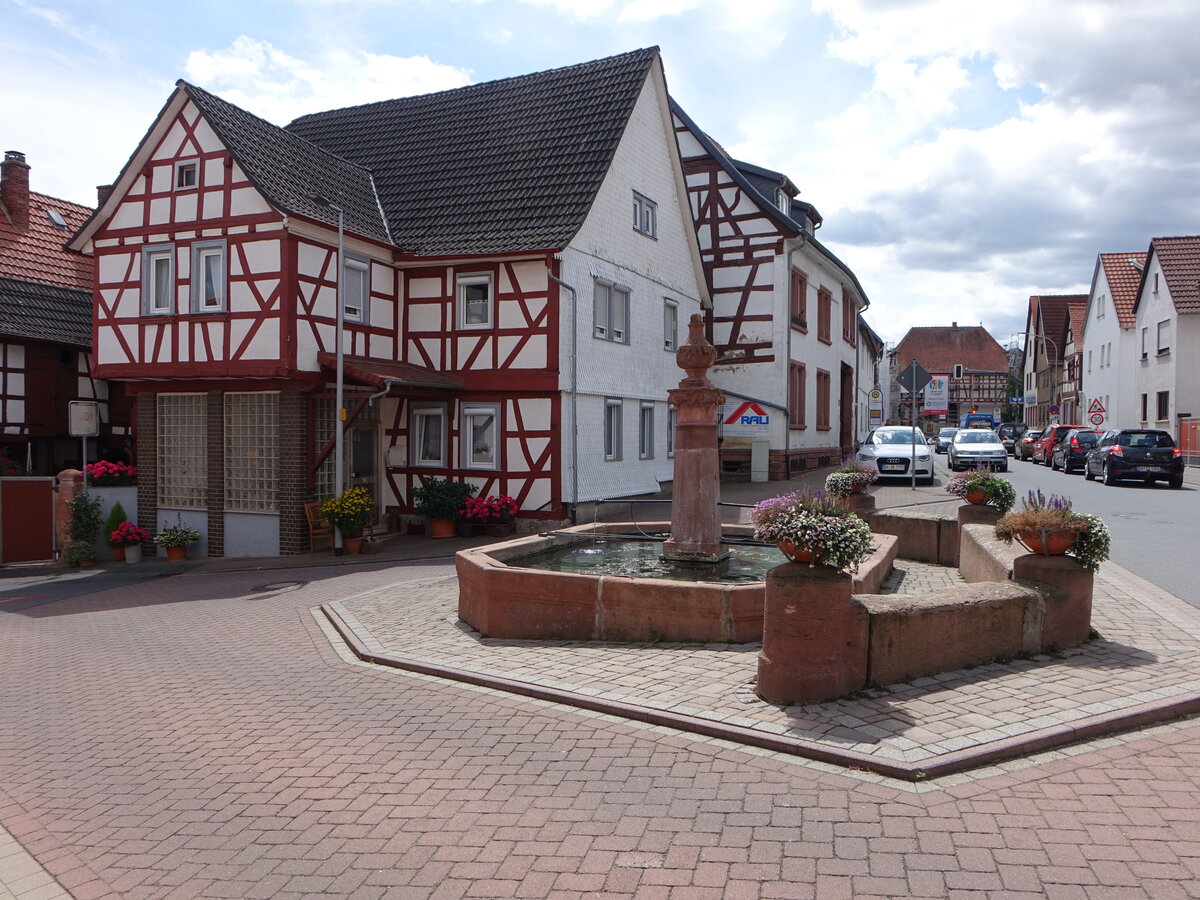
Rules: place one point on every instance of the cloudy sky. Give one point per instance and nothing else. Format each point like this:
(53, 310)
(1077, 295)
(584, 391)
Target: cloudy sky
(964, 155)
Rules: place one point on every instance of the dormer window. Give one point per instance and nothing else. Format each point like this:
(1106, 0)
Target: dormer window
(186, 175)
(645, 215)
(783, 201)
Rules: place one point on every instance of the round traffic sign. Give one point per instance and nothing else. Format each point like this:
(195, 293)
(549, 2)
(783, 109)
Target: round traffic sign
(1053, 409)
(1097, 419)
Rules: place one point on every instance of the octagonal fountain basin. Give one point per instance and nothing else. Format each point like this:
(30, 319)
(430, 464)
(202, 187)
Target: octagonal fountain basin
(509, 590)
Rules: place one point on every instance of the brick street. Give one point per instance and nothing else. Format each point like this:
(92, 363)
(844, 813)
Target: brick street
(194, 737)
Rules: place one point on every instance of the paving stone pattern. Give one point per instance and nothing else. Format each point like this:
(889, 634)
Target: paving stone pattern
(193, 738)
(1150, 650)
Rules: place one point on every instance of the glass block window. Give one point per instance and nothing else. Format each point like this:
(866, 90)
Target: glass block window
(324, 409)
(182, 450)
(251, 452)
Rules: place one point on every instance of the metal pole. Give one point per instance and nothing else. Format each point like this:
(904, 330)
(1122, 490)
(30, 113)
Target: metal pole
(83, 441)
(912, 379)
(339, 477)
(574, 392)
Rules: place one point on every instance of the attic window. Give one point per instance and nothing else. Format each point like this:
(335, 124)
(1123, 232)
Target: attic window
(185, 175)
(56, 218)
(645, 215)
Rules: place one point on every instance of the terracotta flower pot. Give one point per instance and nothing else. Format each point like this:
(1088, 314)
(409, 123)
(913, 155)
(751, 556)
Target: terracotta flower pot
(441, 528)
(978, 497)
(352, 546)
(800, 554)
(176, 554)
(119, 553)
(1056, 543)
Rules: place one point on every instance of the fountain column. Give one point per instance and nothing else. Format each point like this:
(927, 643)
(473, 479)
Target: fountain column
(695, 519)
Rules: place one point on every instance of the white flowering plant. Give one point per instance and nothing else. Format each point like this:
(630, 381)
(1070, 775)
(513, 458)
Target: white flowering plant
(850, 478)
(816, 522)
(999, 491)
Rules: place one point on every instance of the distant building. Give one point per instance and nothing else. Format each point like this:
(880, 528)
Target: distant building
(974, 365)
(1046, 326)
(1109, 340)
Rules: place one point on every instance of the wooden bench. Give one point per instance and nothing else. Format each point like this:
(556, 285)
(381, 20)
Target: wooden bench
(318, 528)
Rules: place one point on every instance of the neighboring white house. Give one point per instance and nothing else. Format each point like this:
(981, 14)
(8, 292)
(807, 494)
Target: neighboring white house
(1166, 374)
(1109, 345)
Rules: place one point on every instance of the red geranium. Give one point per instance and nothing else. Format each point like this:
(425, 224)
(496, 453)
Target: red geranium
(111, 474)
(127, 534)
(489, 509)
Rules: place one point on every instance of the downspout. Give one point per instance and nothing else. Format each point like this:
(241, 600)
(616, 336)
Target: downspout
(574, 391)
(787, 373)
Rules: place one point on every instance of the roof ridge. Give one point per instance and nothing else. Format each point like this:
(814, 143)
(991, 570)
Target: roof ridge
(647, 51)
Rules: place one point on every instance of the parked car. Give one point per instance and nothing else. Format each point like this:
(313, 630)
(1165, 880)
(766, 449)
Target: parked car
(974, 447)
(1024, 445)
(897, 451)
(1043, 447)
(1071, 452)
(944, 437)
(1141, 453)
(1010, 433)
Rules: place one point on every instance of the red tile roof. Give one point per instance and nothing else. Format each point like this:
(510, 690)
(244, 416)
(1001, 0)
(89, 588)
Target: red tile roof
(1078, 312)
(37, 254)
(1054, 311)
(1124, 272)
(1180, 261)
(939, 348)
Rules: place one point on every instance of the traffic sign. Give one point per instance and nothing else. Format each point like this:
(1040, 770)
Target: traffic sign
(1097, 419)
(1054, 409)
(1097, 407)
(914, 377)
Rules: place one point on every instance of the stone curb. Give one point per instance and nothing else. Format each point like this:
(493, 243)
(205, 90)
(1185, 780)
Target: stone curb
(951, 763)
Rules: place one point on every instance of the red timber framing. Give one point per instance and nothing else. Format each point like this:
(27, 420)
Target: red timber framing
(738, 246)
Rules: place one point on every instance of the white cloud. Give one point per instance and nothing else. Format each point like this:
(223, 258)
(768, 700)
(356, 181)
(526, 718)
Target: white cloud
(277, 86)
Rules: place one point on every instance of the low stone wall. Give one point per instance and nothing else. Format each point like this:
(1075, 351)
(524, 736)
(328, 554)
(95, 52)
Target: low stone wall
(924, 537)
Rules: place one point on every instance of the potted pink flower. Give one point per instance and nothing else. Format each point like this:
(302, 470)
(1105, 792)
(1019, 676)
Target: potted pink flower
(491, 516)
(131, 537)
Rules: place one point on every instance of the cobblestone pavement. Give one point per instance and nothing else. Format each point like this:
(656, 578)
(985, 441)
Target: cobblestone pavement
(196, 737)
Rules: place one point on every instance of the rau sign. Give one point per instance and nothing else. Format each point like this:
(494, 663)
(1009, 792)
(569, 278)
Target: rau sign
(747, 419)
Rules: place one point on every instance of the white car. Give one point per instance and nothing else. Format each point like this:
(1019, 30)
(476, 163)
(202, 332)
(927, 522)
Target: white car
(896, 451)
(975, 447)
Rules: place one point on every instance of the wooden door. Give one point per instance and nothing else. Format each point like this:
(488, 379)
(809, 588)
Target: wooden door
(26, 519)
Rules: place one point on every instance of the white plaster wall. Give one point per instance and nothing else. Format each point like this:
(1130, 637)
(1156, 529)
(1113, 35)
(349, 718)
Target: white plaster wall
(1155, 373)
(1112, 383)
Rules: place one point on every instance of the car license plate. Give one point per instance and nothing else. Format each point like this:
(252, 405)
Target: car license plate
(1147, 468)
(891, 467)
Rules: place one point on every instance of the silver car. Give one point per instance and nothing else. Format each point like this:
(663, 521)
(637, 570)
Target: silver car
(974, 447)
(897, 451)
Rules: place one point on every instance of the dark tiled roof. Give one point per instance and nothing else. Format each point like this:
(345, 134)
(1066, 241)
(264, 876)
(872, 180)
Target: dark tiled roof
(37, 254)
(939, 348)
(495, 167)
(45, 312)
(286, 168)
(377, 372)
(1180, 261)
(1123, 274)
(1055, 311)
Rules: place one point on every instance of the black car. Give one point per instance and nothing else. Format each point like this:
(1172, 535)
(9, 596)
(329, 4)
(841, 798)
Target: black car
(1071, 452)
(1010, 433)
(1141, 453)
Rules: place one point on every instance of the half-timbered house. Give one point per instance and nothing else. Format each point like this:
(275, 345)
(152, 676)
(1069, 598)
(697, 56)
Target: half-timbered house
(519, 262)
(785, 313)
(46, 333)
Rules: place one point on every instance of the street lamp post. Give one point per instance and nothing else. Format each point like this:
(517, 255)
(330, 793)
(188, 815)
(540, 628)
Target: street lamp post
(339, 475)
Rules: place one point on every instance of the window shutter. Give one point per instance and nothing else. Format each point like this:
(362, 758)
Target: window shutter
(620, 314)
(600, 310)
(353, 301)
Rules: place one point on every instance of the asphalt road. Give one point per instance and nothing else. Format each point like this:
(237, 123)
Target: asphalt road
(1155, 530)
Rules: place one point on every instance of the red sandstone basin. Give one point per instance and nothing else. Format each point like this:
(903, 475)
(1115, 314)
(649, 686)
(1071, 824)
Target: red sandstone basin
(500, 600)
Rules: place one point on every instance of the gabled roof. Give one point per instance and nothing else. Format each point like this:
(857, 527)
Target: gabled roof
(939, 348)
(37, 254)
(1077, 314)
(1123, 272)
(45, 312)
(1180, 261)
(497, 167)
(1055, 312)
(286, 168)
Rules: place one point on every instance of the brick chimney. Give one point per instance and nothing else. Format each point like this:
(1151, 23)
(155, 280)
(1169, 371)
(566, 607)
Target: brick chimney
(102, 192)
(14, 188)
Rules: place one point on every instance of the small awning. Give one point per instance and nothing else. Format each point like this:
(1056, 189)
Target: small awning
(378, 373)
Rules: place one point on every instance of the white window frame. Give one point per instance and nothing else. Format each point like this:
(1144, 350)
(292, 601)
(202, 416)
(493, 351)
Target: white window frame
(645, 215)
(646, 430)
(466, 435)
(361, 267)
(252, 452)
(613, 407)
(185, 165)
(670, 325)
(419, 417)
(474, 280)
(1163, 331)
(608, 301)
(672, 420)
(151, 255)
(202, 251)
(1145, 341)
